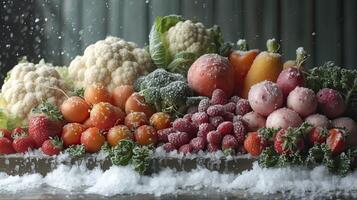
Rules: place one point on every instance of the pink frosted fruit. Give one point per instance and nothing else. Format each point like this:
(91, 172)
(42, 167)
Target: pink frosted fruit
(265, 97)
(289, 79)
(216, 121)
(239, 131)
(303, 101)
(215, 110)
(253, 121)
(283, 118)
(242, 107)
(225, 128)
(219, 97)
(213, 147)
(330, 103)
(318, 120)
(203, 105)
(178, 139)
(230, 107)
(200, 118)
(198, 143)
(183, 125)
(164, 133)
(168, 147)
(229, 142)
(186, 149)
(214, 137)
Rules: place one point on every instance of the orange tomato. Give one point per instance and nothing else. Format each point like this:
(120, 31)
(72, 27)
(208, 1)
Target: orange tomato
(121, 94)
(104, 115)
(118, 133)
(241, 62)
(160, 120)
(135, 119)
(145, 135)
(75, 109)
(92, 140)
(71, 134)
(136, 103)
(97, 93)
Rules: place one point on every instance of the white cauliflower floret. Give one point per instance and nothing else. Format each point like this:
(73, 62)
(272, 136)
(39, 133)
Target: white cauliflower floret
(29, 84)
(111, 62)
(188, 36)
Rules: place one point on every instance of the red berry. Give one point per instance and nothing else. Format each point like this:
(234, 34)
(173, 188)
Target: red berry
(318, 135)
(164, 133)
(237, 118)
(253, 144)
(6, 146)
(178, 139)
(235, 99)
(243, 107)
(214, 137)
(336, 141)
(200, 118)
(17, 131)
(23, 144)
(229, 142)
(228, 116)
(183, 125)
(213, 147)
(230, 107)
(168, 147)
(204, 129)
(225, 128)
(5, 133)
(217, 120)
(203, 105)
(52, 147)
(198, 143)
(185, 149)
(215, 110)
(219, 97)
(239, 131)
(188, 117)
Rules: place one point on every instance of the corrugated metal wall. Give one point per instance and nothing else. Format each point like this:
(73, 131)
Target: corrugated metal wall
(326, 28)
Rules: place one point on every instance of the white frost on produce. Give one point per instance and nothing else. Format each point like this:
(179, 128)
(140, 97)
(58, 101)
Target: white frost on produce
(295, 181)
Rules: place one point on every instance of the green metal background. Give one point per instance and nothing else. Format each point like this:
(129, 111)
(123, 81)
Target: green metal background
(326, 28)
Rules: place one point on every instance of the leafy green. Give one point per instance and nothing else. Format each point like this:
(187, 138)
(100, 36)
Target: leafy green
(128, 152)
(268, 133)
(76, 150)
(49, 110)
(341, 79)
(268, 158)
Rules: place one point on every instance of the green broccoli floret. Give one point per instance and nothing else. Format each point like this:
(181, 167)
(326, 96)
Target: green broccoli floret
(174, 95)
(152, 96)
(159, 78)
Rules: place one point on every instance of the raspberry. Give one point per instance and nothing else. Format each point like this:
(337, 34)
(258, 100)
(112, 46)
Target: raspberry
(213, 147)
(203, 105)
(168, 147)
(225, 128)
(243, 107)
(230, 107)
(215, 110)
(239, 131)
(185, 149)
(214, 137)
(235, 99)
(237, 118)
(204, 129)
(218, 97)
(200, 118)
(192, 110)
(178, 139)
(217, 120)
(198, 143)
(188, 117)
(228, 116)
(229, 142)
(163, 133)
(183, 125)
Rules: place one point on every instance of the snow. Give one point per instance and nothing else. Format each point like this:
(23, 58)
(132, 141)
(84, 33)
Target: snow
(292, 181)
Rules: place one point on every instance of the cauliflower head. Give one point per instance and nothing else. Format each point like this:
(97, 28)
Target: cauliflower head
(175, 43)
(111, 62)
(28, 84)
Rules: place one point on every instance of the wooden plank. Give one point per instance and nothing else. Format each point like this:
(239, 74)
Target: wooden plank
(253, 19)
(162, 8)
(94, 21)
(115, 18)
(229, 16)
(51, 12)
(200, 10)
(328, 22)
(72, 24)
(350, 30)
(297, 28)
(135, 21)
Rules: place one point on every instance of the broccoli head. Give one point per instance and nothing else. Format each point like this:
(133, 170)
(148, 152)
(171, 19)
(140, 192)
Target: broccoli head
(158, 78)
(174, 95)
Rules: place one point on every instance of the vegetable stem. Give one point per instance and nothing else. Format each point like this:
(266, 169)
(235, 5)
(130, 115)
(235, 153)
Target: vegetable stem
(242, 45)
(273, 46)
(301, 56)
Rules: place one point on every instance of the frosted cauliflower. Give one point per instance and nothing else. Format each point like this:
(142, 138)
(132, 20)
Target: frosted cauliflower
(175, 43)
(28, 84)
(111, 62)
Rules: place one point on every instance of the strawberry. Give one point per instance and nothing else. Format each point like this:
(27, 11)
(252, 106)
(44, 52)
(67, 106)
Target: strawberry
(17, 131)
(336, 141)
(52, 146)
(214, 137)
(5, 133)
(46, 122)
(318, 135)
(23, 142)
(225, 128)
(6, 146)
(254, 144)
(229, 142)
(288, 141)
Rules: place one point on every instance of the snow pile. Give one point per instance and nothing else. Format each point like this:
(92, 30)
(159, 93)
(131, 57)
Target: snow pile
(294, 181)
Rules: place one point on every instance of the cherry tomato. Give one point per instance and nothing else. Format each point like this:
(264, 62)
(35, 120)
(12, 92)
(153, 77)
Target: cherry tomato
(71, 134)
(92, 140)
(121, 94)
(160, 120)
(75, 109)
(135, 119)
(145, 135)
(118, 133)
(97, 93)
